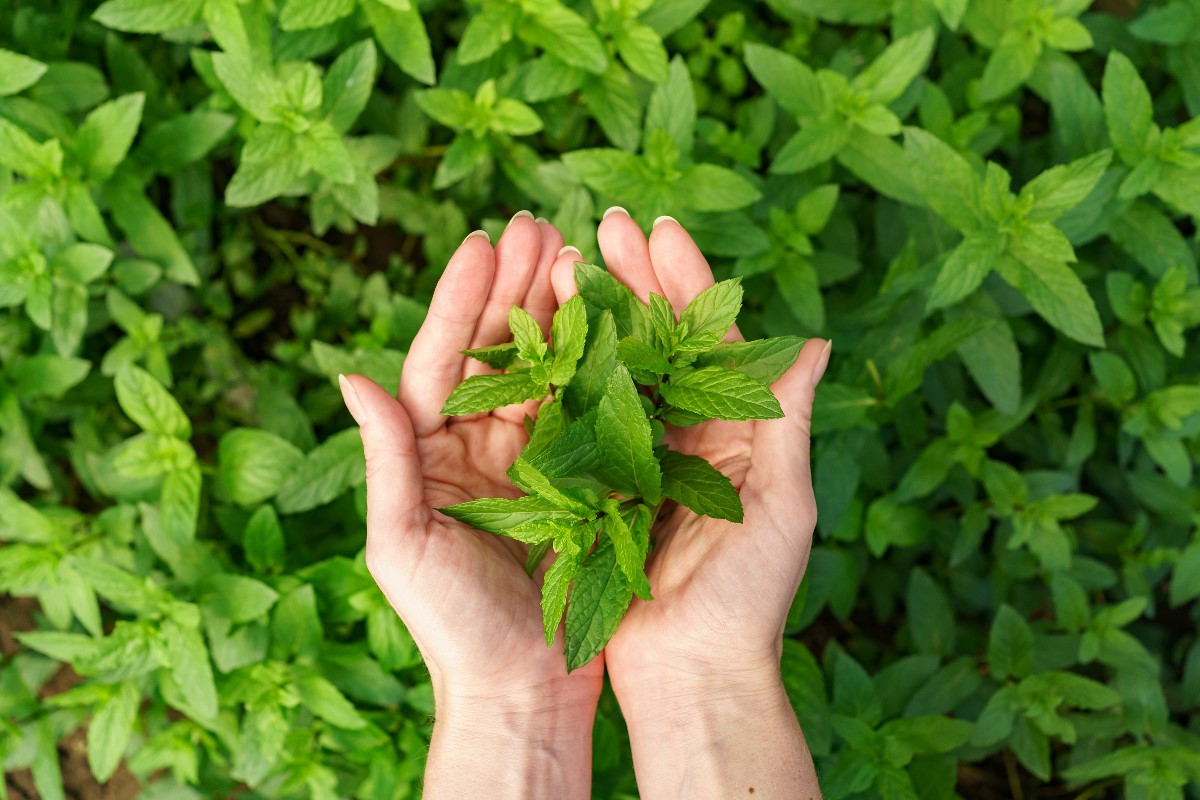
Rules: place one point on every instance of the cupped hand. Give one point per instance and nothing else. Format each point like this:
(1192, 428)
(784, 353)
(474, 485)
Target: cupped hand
(464, 594)
(721, 590)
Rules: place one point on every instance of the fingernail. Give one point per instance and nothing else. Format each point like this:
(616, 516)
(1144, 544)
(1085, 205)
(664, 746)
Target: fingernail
(570, 249)
(614, 210)
(663, 218)
(351, 398)
(519, 214)
(542, 220)
(822, 363)
(478, 235)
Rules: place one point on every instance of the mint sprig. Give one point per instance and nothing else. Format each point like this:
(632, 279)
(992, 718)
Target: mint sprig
(595, 470)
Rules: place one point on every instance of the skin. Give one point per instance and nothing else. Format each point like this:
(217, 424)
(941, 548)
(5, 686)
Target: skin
(696, 670)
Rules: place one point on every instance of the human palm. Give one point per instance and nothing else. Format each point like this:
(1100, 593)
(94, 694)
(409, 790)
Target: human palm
(463, 594)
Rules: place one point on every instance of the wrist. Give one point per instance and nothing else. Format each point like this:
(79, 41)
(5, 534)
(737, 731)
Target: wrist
(516, 709)
(688, 693)
(529, 741)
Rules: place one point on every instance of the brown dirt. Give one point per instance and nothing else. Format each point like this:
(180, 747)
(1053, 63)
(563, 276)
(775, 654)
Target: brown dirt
(16, 614)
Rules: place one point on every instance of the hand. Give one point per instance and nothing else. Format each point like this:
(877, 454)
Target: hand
(464, 594)
(713, 632)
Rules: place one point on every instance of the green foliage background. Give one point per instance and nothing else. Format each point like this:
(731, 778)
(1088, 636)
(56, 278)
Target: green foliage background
(209, 208)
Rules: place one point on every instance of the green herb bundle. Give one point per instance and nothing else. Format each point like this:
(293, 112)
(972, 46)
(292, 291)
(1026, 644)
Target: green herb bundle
(596, 471)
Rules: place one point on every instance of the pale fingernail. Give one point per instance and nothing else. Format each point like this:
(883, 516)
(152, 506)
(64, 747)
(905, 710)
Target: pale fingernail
(663, 218)
(614, 210)
(480, 234)
(570, 249)
(542, 220)
(519, 214)
(822, 363)
(351, 398)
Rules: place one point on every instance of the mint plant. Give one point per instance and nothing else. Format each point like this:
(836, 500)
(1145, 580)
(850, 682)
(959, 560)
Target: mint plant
(596, 471)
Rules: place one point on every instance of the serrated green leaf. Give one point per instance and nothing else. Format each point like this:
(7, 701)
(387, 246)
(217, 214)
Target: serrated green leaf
(596, 606)
(765, 360)
(639, 356)
(110, 729)
(965, 269)
(487, 392)
(719, 393)
(150, 405)
(568, 334)
(624, 441)
(497, 356)
(693, 482)
(528, 478)
(587, 386)
(713, 311)
(1127, 108)
(1057, 294)
(496, 514)
(148, 16)
(629, 558)
(554, 591)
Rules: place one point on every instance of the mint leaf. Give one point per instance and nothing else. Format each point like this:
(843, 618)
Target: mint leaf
(572, 453)
(109, 731)
(148, 16)
(347, 85)
(946, 181)
(624, 441)
(662, 320)
(328, 470)
(526, 477)
(601, 291)
(765, 360)
(693, 482)
(1057, 294)
(498, 514)
(1061, 188)
(787, 80)
(497, 356)
(720, 393)
(587, 386)
(150, 405)
(18, 72)
(254, 463)
(597, 604)
(105, 136)
(968, 264)
(713, 311)
(568, 334)
(527, 335)
(629, 558)
(1128, 108)
(641, 357)
(554, 591)
(488, 392)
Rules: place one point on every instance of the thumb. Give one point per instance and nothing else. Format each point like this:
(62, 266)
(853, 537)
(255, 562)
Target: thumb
(397, 514)
(780, 456)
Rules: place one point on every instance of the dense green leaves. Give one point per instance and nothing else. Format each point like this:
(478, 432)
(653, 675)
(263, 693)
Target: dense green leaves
(210, 208)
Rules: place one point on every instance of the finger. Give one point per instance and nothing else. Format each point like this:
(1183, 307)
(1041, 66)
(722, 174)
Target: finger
(780, 454)
(434, 365)
(539, 300)
(397, 514)
(680, 267)
(516, 258)
(540, 303)
(562, 274)
(626, 254)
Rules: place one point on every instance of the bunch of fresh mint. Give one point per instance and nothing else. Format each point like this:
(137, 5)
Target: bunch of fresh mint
(596, 471)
